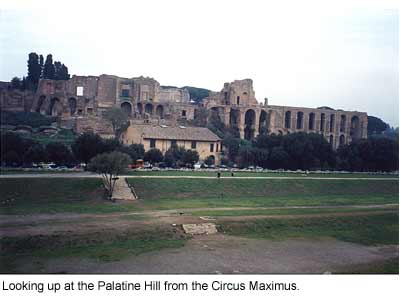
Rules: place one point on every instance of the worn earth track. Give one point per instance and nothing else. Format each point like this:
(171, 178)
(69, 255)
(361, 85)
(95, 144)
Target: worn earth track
(37, 224)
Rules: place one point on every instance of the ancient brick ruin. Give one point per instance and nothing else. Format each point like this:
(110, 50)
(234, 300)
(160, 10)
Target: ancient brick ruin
(81, 101)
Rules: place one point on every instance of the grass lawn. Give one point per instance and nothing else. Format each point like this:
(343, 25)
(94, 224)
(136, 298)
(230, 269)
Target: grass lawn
(85, 195)
(288, 211)
(101, 246)
(377, 229)
(47, 195)
(194, 193)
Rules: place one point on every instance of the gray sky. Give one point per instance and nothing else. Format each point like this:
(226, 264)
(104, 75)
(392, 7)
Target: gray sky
(345, 59)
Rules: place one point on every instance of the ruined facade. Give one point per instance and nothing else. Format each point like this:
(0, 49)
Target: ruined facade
(81, 102)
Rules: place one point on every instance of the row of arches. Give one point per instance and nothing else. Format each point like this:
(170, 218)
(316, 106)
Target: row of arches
(141, 109)
(56, 107)
(300, 123)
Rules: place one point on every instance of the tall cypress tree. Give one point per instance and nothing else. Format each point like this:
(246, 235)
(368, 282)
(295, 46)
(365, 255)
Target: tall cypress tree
(64, 73)
(41, 65)
(34, 70)
(49, 69)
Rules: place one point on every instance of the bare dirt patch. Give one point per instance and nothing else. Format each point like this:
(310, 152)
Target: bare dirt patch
(222, 254)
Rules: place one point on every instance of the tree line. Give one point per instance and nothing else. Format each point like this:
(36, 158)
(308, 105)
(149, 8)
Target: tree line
(310, 151)
(17, 151)
(38, 69)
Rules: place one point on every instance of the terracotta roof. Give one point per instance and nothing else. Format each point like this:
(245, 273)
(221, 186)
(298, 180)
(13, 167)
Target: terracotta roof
(177, 133)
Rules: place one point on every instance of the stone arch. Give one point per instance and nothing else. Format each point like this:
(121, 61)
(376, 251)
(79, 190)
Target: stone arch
(288, 119)
(139, 108)
(215, 113)
(342, 140)
(299, 120)
(126, 108)
(55, 108)
(332, 123)
(148, 108)
(159, 111)
(250, 119)
(263, 122)
(234, 115)
(312, 121)
(354, 128)
(72, 103)
(322, 122)
(331, 140)
(40, 103)
(342, 123)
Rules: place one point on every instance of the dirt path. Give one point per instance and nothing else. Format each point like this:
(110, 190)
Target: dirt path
(122, 191)
(222, 254)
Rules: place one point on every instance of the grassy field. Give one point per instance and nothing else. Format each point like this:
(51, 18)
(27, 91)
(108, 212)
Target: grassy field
(101, 246)
(288, 211)
(85, 195)
(377, 229)
(193, 193)
(47, 195)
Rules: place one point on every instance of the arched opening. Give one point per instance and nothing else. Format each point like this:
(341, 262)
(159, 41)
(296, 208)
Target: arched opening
(299, 121)
(183, 113)
(288, 116)
(332, 123)
(139, 108)
(341, 140)
(237, 100)
(322, 121)
(331, 140)
(263, 122)
(342, 123)
(40, 103)
(311, 121)
(55, 108)
(234, 118)
(214, 115)
(126, 108)
(148, 109)
(160, 111)
(354, 128)
(250, 118)
(72, 103)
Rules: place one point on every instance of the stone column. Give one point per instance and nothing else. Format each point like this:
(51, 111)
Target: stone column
(227, 111)
(241, 123)
(257, 120)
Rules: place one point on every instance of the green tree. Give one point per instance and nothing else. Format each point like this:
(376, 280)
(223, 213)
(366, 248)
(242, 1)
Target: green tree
(119, 121)
(109, 165)
(135, 151)
(35, 154)
(375, 125)
(59, 154)
(189, 157)
(61, 71)
(87, 146)
(16, 83)
(153, 156)
(34, 70)
(49, 68)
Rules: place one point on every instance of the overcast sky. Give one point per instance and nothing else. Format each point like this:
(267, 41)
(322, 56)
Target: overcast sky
(301, 56)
